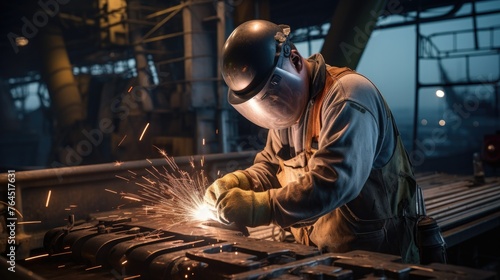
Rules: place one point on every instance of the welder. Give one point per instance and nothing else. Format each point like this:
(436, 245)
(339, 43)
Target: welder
(334, 170)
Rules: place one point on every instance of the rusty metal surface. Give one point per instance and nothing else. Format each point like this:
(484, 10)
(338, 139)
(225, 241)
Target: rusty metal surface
(80, 190)
(462, 209)
(130, 248)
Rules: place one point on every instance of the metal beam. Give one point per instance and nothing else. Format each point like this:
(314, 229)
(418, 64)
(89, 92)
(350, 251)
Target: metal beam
(351, 26)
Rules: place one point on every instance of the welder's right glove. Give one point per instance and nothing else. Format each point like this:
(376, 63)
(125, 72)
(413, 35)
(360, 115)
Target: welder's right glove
(245, 208)
(236, 179)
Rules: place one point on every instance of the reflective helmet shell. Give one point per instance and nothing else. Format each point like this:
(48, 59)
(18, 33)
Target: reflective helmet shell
(249, 55)
(259, 88)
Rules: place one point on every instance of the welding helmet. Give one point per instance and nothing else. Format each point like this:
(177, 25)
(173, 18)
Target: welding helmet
(259, 88)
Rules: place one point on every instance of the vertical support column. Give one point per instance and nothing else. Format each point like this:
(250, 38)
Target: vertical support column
(200, 74)
(248, 10)
(8, 115)
(136, 99)
(223, 114)
(141, 62)
(417, 78)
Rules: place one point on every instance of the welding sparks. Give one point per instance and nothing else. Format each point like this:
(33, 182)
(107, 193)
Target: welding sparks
(172, 192)
(123, 178)
(63, 253)
(36, 257)
(111, 191)
(48, 199)
(131, 198)
(144, 131)
(203, 213)
(29, 222)
(118, 163)
(121, 141)
(132, 277)
(93, 267)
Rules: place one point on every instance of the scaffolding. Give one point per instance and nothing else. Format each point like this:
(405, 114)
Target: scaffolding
(471, 96)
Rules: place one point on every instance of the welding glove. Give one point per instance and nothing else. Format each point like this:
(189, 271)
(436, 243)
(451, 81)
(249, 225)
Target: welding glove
(247, 208)
(236, 179)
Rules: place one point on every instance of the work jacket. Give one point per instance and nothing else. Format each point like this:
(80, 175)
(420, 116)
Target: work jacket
(340, 179)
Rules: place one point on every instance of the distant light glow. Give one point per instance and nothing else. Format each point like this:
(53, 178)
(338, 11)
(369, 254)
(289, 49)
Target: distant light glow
(423, 122)
(442, 122)
(21, 41)
(440, 93)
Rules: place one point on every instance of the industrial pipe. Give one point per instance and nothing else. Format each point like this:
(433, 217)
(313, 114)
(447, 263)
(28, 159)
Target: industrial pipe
(58, 74)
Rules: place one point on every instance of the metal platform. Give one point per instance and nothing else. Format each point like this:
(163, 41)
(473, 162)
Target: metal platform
(94, 247)
(462, 208)
(118, 245)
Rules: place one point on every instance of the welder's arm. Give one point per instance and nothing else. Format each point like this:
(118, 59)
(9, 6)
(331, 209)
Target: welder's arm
(252, 207)
(259, 177)
(262, 174)
(343, 162)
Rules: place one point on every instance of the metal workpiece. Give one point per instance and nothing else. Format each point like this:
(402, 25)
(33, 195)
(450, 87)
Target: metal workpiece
(102, 236)
(127, 250)
(81, 190)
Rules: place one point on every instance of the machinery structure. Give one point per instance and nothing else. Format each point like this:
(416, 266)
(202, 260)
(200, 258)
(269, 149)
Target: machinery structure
(125, 246)
(110, 79)
(117, 81)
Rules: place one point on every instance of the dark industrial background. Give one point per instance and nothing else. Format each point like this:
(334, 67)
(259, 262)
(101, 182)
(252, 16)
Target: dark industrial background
(100, 71)
(116, 81)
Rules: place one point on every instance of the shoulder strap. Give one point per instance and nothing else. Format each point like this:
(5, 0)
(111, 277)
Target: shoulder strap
(314, 123)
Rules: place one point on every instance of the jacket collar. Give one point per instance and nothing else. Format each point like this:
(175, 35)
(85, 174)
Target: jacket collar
(317, 82)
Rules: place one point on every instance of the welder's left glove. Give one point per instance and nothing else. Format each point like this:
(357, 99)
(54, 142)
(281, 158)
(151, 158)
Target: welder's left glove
(247, 208)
